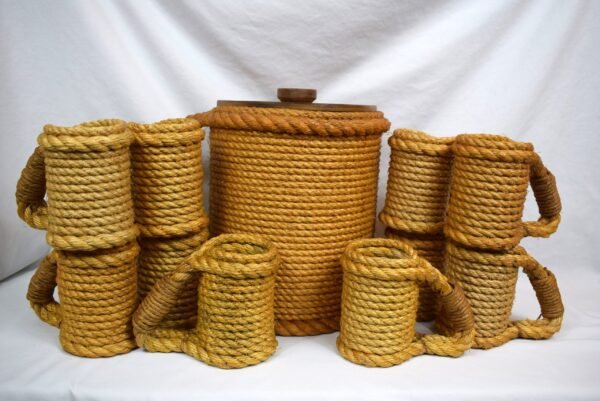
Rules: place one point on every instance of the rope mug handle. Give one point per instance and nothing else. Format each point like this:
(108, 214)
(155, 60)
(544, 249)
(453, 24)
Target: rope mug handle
(40, 293)
(543, 184)
(546, 290)
(456, 311)
(31, 189)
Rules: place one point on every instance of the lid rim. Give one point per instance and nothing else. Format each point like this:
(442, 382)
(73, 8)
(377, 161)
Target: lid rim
(300, 106)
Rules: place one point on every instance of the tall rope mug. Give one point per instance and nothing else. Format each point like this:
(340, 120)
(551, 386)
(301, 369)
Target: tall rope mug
(304, 176)
(167, 177)
(85, 171)
(379, 305)
(235, 277)
(416, 201)
(489, 183)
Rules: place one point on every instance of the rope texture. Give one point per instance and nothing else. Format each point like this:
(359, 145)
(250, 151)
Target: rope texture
(85, 170)
(489, 183)
(168, 202)
(416, 200)
(305, 180)
(488, 280)
(379, 306)
(235, 325)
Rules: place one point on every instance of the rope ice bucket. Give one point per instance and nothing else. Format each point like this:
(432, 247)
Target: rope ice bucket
(85, 171)
(304, 176)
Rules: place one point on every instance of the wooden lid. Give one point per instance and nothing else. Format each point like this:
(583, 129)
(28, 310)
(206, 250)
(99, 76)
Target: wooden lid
(297, 98)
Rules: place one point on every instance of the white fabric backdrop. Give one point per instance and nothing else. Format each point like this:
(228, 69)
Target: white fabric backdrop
(525, 69)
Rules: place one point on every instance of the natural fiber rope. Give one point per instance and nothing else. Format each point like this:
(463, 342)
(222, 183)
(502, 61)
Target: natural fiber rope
(98, 296)
(379, 305)
(235, 302)
(168, 202)
(489, 184)
(306, 180)
(488, 280)
(167, 178)
(416, 200)
(430, 248)
(85, 170)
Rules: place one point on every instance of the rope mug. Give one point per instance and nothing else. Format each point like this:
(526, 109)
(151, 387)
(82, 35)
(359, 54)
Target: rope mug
(488, 280)
(167, 179)
(416, 200)
(85, 171)
(235, 274)
(489, 183)
(304, 176)
(379, 306)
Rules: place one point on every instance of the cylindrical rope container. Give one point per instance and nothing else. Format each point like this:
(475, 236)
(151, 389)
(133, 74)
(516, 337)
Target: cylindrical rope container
(167, 179)
(236, 324)
(85, 170)
(304, 176)
(488, 280)
(489, 183)
(417, 199)
(379, 305)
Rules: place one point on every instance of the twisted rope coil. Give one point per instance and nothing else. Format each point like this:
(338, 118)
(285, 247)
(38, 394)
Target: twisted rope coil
(416, 200)
(307, 181)
(488, 280)
(167, 179)
(489, 182)
(89, 217)
(379, 305)
(235, 325)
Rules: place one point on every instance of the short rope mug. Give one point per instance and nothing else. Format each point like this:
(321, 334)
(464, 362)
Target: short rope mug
(416, 200)
(167, 176)
(379, 305)
(489, 183)
(85, 171)
(235, 277)
(488, 280)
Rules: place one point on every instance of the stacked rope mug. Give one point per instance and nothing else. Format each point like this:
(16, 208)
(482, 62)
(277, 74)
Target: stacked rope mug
(85, 171)
(484, 225)
(416, 201)
(167, 177)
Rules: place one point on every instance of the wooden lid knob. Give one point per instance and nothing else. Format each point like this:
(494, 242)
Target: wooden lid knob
(296, 95)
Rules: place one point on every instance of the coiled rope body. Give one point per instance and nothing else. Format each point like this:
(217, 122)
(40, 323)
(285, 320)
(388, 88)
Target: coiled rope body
(416, 200)
(236, 288)
(306, 180)
(379, 305)
(167, 179)
(89, 217)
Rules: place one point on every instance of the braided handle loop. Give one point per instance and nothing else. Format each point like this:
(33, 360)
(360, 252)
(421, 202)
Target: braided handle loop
(161, 298)
(40, 293)
(456, 310)
(547, 197)
(31, 189)
(546, 290)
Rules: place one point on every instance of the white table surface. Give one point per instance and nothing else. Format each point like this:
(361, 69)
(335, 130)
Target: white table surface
(33, 366)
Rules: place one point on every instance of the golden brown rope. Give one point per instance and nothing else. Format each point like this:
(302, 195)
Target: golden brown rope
(235, 325)
(488, 280)
(489, 184)
(379, 305)
(168, 202)
(85, 170)
(98, 296)
(305, 180)
(416, 200)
